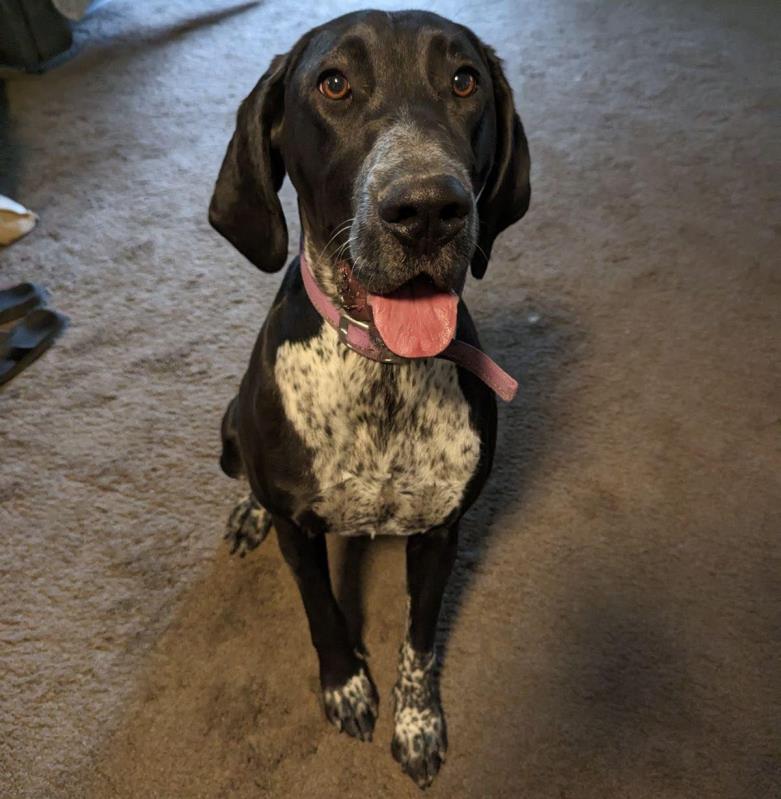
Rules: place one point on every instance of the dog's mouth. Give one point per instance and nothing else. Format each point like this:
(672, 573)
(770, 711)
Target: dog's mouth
(416, 320)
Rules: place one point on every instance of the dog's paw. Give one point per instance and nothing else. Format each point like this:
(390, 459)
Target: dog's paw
(248, 525)
(352, 707)
(419, 744)
(419, 740)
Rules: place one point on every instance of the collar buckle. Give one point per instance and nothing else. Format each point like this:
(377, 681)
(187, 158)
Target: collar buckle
(384, 355)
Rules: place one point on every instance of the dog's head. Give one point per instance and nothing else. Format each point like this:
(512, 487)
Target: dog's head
(399, 133)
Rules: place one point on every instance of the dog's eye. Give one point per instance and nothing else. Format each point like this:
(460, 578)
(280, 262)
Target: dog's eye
(464, 83)
(334, 86)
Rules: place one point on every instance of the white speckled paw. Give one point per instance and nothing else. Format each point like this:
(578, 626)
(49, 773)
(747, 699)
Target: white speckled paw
(248, 525)
(352, 707)
(419, 740)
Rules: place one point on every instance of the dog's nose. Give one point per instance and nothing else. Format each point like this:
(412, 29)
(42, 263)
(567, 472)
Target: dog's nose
(425, 214)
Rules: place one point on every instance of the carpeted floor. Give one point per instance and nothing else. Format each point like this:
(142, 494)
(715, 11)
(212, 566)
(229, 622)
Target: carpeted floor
(613, 628)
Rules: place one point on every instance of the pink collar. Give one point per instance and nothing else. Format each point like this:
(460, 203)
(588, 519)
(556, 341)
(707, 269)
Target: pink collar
(363, 338)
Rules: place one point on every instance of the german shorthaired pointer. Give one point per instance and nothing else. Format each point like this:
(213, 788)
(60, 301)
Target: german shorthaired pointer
(367, 407)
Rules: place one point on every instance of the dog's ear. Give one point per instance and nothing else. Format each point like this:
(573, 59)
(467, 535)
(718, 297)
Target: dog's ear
(245, 207)
(505, 196)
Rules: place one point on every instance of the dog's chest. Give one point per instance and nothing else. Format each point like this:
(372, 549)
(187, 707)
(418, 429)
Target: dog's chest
(392, 446)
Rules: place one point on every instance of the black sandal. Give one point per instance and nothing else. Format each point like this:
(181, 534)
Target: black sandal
(18, 300)
(21, 345)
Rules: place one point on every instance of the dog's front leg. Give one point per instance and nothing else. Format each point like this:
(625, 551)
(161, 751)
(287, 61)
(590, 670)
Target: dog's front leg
(349, 694)
(419, 739)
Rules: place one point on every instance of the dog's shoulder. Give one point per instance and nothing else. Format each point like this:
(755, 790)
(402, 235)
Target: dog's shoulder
(292, 318)
(278, 462)
(482, 408)
(480, 398)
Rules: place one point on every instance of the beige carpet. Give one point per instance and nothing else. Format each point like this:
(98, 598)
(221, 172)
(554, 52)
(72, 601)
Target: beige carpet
(613, 629)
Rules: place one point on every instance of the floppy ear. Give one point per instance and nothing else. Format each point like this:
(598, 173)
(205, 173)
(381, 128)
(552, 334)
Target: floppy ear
(245, 207)
(505, 196)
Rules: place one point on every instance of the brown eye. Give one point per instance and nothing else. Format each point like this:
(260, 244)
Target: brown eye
(334, 86)
(464, 83)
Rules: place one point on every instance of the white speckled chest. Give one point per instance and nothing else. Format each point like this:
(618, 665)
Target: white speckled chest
(392, 453)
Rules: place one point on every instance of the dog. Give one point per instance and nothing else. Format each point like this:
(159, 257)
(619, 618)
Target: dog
(367, 407)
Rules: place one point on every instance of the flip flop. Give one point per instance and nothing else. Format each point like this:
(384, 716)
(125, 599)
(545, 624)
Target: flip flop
(16, 301)
(21, 345)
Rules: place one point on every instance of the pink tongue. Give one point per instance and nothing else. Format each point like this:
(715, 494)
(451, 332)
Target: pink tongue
(416, 320)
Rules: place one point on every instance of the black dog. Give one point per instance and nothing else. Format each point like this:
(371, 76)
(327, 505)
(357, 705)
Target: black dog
(399, 133)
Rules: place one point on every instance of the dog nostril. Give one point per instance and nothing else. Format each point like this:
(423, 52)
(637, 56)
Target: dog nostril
(397, 213)
(453, 211)
(405, 213)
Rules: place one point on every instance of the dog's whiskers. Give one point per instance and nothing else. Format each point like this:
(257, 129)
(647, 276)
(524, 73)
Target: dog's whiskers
(357, 266)
(341, 228)
(343, 247)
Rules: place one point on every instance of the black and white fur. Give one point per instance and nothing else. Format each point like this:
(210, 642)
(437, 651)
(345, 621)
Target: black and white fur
(329, 441)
